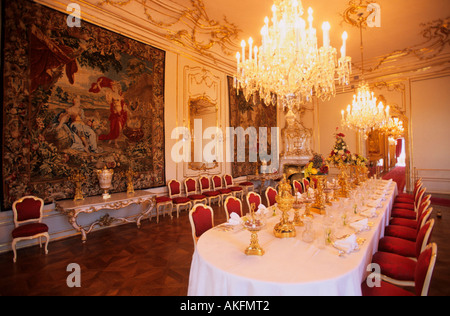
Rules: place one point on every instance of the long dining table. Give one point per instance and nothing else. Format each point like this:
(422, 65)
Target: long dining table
(290, 266)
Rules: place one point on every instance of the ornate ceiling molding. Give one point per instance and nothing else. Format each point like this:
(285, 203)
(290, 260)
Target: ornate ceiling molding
(189, 27)
(357, 13)
(430, 55)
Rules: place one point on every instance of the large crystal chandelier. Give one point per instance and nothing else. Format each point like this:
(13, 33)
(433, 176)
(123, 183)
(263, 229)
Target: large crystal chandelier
(289, 68)
(364, 114)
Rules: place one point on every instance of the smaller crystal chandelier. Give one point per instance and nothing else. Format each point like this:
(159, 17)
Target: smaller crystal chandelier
(393, 129)
(364, 114)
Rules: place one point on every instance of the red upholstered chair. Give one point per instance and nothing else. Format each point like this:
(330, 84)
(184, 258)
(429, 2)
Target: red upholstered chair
(190, 187)
(411, 206)
(409, 198)
(271, 194)
(233, 205)
(28, 213)
(217, 186)
(298, 186)
(253, 198)
(229, 184)
(305, 184)
(205, 189)
(408, 222)
(411, 213)
(407, 248)
(166, 204)
(422, 272)
(201, 218)
(178, 200)
(407, 232)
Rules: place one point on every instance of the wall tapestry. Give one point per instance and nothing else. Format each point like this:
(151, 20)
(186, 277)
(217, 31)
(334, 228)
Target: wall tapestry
(249, 114)
(77, 99)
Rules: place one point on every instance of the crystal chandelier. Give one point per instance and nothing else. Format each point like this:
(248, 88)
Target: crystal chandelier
(289, 68)
(364, 115)
(393, 129)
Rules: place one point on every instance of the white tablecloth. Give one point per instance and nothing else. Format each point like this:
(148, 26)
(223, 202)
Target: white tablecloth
(290, 267)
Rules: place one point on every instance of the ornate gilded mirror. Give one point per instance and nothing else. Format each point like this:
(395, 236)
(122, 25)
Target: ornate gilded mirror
(202, 115)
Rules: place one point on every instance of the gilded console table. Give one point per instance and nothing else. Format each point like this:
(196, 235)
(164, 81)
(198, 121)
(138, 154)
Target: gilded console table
(96, 203)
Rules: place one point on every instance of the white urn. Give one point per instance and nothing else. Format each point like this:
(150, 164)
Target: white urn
(105, 178)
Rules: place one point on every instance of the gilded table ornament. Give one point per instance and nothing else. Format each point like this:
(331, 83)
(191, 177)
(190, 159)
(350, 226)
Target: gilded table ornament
(308, 202)
(285, 200)
(254, 225)
(319, 205)
(343, 182)
(297, 205)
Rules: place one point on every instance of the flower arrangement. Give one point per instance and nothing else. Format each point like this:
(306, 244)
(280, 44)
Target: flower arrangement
(358, 160)
(316, 166)
(340, 155)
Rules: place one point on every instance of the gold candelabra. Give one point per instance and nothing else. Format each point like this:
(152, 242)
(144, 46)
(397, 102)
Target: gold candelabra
(77, 178)
(130, 176)
(254, 226)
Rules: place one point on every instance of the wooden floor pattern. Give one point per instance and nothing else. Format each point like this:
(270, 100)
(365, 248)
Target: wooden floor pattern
(151, 261)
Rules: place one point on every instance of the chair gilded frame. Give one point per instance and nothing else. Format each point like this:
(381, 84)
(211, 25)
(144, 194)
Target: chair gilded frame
(28, 219)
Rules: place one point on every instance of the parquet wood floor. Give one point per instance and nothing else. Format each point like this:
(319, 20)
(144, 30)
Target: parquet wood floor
(152, 261)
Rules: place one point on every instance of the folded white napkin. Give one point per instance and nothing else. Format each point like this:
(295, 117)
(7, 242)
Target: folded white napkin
(376, 203)
(234, 219)
(262, 210)
(371, 212)
(348, 244)
(360, 225)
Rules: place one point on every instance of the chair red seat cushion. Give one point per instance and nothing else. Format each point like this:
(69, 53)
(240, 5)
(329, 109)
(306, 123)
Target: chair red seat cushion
(404, 200)
(197, 197)
(406, 195)
(399, 246)
(401, 232)
(163, 199)
(181, 200)
(385, 289)
(402, 213)
(246, 184)
(411, 223)
(404, 206)
(211, 193)
(395, 266)
(29, 230)
(224, 191)
(235, 189)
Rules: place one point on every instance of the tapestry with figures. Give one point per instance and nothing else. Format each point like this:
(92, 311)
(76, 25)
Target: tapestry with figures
(77, 99)
(250, 116)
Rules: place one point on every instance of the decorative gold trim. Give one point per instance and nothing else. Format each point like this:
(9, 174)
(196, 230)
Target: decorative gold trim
(195, 24)
(354, 15)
